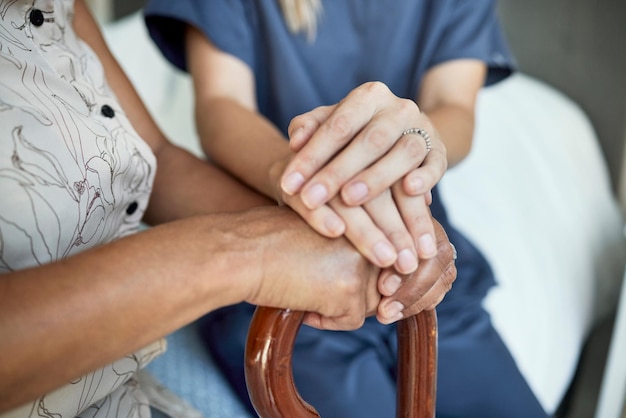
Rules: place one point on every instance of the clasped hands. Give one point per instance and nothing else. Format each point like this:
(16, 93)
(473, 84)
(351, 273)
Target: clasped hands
(354, 173)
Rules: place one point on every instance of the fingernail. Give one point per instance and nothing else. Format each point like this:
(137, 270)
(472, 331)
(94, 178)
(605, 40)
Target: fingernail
(356, 192)
(407, 262)
(394, 311)
(334, 225)
(392, 284)
(427, 245)
(292, 183)
(385, 253)
(416, 184)
(315, 196)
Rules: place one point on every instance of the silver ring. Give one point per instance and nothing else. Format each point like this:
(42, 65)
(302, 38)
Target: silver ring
(454, 253)
(421, 132)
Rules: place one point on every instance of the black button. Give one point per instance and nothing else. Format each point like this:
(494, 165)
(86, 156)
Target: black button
(36, 17)
(107, 111)
(132, 208)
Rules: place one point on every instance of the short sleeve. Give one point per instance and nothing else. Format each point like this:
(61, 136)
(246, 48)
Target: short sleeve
(225, 22)
(473, 31)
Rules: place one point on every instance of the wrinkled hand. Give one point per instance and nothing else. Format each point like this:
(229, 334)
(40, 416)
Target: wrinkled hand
(425, 289)
(348, 156)
(302, 270)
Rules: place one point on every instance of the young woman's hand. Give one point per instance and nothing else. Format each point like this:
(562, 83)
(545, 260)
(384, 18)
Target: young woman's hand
(357, 148)
(358, 154)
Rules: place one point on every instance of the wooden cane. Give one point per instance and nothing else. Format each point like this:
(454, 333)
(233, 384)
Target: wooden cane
(269, 374)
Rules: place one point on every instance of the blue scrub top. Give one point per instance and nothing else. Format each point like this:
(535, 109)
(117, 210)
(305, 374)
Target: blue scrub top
(393, 41)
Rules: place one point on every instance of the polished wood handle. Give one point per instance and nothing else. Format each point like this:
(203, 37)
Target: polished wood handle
(269, 375)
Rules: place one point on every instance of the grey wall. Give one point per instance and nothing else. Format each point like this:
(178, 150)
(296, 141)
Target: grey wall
(578, 46)
(123, 7)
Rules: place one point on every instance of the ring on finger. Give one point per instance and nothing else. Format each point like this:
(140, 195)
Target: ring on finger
(421, 132)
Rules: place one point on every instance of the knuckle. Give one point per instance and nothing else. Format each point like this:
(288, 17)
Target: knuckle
(311, 160)
(375, 87)
(330, 176)
(376, 141)
(400, 237)
(358, 322)
(422, 222)
(340, 126)
(414, 148)
(444, 247)
(308, 162)
(351, 324)
(351, 286)
(408, 107)
(297, 120)
(352, 316)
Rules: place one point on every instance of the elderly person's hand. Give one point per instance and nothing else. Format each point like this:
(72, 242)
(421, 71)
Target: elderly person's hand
(333, 282)
(308, 272)
(425, 289)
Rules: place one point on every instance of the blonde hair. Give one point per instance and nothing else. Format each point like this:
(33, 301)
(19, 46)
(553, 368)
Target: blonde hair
(302, 16)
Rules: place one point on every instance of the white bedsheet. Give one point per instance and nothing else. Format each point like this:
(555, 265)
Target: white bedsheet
(534, 195)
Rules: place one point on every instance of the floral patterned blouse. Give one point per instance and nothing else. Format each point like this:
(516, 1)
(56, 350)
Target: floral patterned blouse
(73, 175)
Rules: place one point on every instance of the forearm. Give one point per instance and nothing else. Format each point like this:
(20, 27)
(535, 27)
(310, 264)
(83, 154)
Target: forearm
(62, 320)
(448, 96)
(242, 142)
(455, 125)
(186, 186)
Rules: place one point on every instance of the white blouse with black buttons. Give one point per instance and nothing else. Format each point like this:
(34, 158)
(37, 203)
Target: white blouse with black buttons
(73, 175)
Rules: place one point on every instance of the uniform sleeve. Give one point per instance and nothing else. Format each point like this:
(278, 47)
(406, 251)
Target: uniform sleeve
(225, 22)
(473, 31)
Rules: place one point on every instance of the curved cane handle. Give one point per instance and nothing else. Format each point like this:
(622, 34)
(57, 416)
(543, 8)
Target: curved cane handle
(269, 374)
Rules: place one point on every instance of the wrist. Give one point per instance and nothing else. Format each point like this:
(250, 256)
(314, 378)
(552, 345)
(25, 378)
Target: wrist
(264, 234)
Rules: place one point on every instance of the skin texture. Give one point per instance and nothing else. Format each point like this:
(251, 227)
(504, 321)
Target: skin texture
(53, 317)
(347, 169)
(383, 224)
(352, 147)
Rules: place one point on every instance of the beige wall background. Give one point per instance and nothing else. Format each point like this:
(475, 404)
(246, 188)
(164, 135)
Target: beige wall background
(578, 46)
